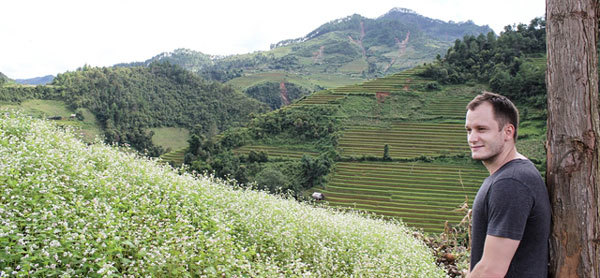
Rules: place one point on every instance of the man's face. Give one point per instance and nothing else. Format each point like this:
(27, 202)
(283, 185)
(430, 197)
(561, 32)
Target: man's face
(484, 136)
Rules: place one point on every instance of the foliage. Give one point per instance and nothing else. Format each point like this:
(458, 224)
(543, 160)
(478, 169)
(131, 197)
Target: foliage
(386, 153)
(19, 93)
(75, 210)
(505, 62)
(336, 41)
(129, 101)
(275, 94)
(306, 123)
(3, 79)
(315, 170)
(309, 124)
(271, 179)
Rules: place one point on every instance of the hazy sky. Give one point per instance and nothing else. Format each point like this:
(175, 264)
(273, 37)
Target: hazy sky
(40, 37)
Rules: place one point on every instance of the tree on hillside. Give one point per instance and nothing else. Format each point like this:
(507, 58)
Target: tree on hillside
(386, 152)
(573, 137)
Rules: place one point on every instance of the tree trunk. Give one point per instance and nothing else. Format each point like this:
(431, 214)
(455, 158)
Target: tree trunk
(573, 134)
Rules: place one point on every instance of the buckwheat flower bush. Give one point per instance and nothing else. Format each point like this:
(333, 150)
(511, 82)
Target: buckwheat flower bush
(68, 209)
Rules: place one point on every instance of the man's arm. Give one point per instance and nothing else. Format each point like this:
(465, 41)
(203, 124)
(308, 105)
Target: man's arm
(497, 254)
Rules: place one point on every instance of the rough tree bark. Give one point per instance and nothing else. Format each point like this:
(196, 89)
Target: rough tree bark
(573, 134)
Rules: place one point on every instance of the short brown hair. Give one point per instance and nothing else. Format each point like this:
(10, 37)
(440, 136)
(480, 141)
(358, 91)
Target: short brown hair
(504, 110)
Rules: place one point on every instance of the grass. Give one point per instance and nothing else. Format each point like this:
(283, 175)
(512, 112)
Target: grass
(71, 209)
(89, 129)
(173, 138)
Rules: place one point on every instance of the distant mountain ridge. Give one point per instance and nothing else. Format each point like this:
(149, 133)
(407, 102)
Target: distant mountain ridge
(43, 80)
(354, 46)
(341, 52)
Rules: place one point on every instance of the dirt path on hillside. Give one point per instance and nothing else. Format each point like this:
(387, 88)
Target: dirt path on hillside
(318, 55)
(401, 49)
(283, 94)
(359, 42)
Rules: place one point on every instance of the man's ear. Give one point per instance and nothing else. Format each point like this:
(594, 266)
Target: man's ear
(509, 131)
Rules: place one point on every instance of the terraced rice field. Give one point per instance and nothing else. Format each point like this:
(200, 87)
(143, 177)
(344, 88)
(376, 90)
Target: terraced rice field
(423, 195)
(274, 152)
(402, 81)
(405, 139)
(174, 157)
(322, 97)
(449, 107)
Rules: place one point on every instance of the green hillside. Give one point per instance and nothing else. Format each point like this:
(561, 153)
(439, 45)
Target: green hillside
(394, 146)
(130, 104)
(342, 52)
(72, 209)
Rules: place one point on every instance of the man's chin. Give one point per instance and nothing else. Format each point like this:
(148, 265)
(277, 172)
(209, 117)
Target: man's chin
(477, 157)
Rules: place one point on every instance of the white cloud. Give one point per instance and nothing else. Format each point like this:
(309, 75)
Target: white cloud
(50, 37)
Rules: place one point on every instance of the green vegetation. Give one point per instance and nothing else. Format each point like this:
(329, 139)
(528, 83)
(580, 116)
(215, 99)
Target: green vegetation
(85, 122)
(4, 79)
(78, 210)
(422, 194)
(170, 138)
(342, 52)
(276, 95)
(513, 64)
(297, 141)
(405, 140)
(396, 146)
(128, 102)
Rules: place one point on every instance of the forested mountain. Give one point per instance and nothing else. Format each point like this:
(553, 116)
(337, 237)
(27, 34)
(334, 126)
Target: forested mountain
(128, 101)
(354, 45)
(341, 52)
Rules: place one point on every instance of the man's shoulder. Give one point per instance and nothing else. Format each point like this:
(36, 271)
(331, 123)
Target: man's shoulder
(521, 170)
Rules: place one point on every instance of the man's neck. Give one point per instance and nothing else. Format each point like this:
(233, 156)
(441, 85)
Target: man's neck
(501, 159)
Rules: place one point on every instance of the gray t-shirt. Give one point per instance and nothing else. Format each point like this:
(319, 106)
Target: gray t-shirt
(513, 203)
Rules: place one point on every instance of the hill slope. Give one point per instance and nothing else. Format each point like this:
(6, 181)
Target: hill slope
(128, 102)
(341, 52)
(334, 141)
(84, 210)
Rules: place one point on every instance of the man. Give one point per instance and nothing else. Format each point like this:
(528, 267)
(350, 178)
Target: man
(511, 212)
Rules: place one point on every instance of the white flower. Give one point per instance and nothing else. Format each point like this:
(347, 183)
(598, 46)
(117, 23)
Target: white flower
(54, 243)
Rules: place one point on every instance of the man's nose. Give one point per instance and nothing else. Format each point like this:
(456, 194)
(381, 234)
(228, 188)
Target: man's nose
(472, 137)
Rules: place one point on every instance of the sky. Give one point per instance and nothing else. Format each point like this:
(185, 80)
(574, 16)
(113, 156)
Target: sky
(40, 37)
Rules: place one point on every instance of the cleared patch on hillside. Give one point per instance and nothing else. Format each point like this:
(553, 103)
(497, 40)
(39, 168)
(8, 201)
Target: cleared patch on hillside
(88, 128)
(173, 138)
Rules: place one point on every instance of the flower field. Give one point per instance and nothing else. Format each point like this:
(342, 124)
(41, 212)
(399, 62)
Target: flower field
(69, 209)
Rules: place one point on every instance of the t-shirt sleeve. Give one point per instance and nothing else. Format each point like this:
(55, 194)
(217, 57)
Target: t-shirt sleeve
(510, 203)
